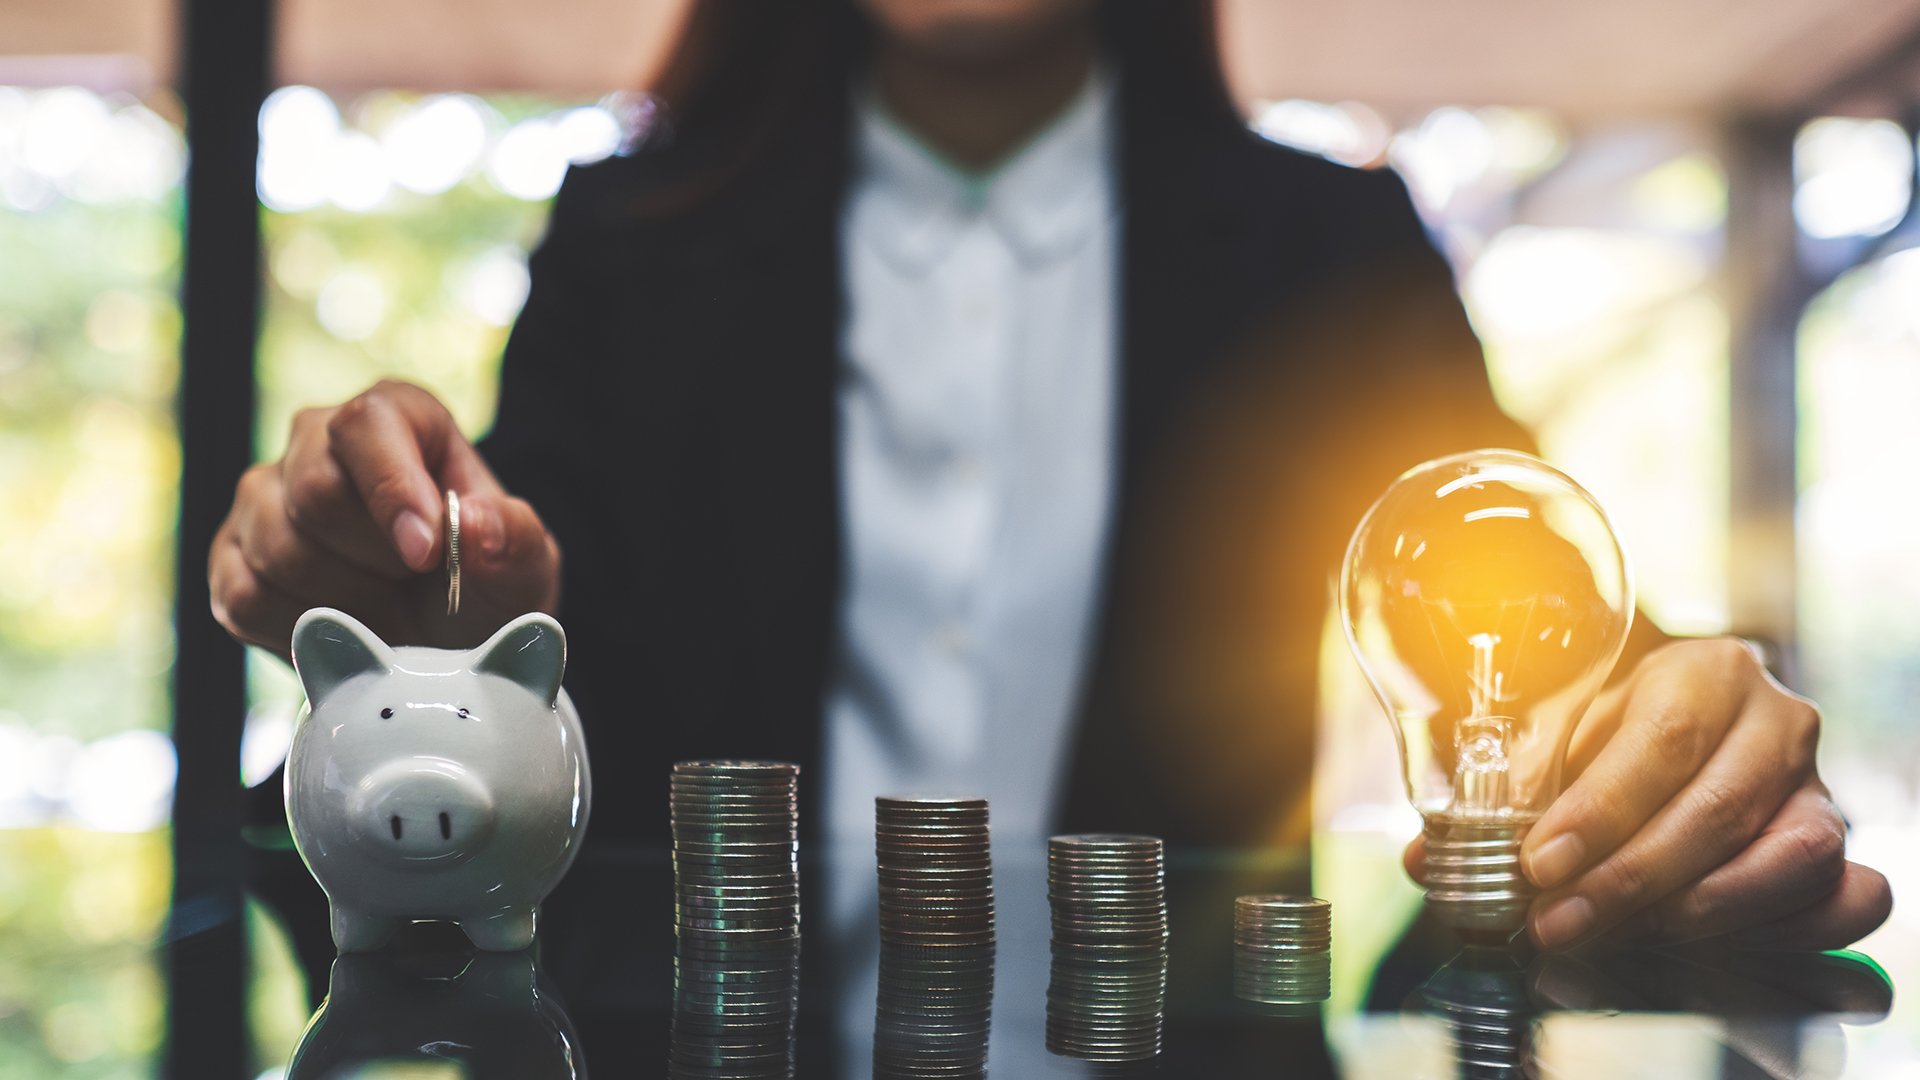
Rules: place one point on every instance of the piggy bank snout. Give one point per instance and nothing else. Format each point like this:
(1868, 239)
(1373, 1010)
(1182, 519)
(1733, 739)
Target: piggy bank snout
(429, 813)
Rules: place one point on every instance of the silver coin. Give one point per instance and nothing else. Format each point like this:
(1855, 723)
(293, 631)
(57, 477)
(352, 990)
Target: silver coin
(746, 877)
(1277, 904)
(941, 872)
(912, 803)
(699, 907)
(718, 886)
(453, 552)
(1103, 842)
(743, 766)
(935, 902)
(1092, 892)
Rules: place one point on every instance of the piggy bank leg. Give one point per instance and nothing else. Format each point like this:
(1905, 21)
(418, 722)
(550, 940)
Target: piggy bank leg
(503, 931)
(355, 932)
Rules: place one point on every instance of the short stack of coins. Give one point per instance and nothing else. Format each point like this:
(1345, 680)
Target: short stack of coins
(933, 1014)
(734, 1007)
(1106, 998)
(936, 871)
(1282, 950)
(735, 851)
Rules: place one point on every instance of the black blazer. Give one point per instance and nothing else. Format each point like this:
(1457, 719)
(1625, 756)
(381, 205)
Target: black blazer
(1291, 342)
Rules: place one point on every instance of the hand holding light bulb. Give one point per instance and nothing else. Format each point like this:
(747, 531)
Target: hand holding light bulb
(1696, 811)
(1683, 803)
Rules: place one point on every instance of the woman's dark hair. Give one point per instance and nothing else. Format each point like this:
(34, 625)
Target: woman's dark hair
(746, 72)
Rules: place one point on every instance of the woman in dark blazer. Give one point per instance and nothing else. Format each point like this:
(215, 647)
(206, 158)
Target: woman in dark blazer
(1288, 342)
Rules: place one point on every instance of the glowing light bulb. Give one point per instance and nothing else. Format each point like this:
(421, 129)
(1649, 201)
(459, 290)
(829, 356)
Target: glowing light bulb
(1487, 599)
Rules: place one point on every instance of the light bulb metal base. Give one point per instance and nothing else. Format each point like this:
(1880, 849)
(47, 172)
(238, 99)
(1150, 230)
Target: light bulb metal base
(1474, 881)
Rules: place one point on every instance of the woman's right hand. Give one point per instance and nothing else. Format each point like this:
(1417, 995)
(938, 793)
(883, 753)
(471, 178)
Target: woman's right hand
(353, 517)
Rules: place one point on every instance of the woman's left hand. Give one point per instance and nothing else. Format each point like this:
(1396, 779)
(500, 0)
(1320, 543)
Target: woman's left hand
(1694, 810)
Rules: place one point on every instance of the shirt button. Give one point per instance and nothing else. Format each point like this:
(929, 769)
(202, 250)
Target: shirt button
(954, 639)
(979, 309)
(967, 470)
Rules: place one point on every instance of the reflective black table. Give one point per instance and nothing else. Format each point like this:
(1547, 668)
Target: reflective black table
(608, 990)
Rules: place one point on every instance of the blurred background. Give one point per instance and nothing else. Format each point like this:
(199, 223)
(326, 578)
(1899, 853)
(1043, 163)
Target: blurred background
(1685, 231)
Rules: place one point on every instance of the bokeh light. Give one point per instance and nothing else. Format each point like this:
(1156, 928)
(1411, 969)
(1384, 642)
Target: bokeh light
(1349, 132)
(298, 129)
(588, 134)
(1851, 177)
(351, 305)
(357, 179)
(529, 161)
(314, 153)
(493, 285)
(123, 783)
(437, 144)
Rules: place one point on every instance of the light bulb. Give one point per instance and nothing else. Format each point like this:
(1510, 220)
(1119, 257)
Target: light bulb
(1486, 598)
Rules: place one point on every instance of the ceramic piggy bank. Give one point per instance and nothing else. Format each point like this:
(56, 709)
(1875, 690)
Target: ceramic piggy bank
(435, 783)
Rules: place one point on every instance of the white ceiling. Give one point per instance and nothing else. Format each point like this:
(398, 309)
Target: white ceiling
(1590, 59)
(1587, 59)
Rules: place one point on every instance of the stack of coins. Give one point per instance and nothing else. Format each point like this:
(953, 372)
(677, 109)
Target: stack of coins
(734, 1007)
(1107, 889)
(1107, 1002)
(936, 875)
(735, 850)
(1282, 950)
(934, 1011)
(1107, 996)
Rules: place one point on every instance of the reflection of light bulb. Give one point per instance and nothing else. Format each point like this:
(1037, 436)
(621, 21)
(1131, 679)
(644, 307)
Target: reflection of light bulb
(1482, 995)
(1486, 597)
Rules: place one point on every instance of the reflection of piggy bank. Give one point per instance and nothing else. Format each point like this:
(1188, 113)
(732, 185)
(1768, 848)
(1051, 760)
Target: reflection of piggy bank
(435, 783)
(476, 1016)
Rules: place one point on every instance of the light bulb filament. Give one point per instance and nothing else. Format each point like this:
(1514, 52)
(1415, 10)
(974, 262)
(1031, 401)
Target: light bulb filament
(1480, 778)
(1487, 683)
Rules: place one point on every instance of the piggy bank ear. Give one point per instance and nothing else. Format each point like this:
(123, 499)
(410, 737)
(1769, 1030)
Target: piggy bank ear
(330, 647)
(531, 650)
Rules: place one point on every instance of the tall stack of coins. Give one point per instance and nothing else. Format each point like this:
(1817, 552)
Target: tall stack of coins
(933, 1013)
(734, 1007)
(1282, 949)
(1107, 996)
(936, 873)
(735, 850)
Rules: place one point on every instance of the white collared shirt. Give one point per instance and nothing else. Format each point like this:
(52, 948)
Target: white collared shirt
(976, 459)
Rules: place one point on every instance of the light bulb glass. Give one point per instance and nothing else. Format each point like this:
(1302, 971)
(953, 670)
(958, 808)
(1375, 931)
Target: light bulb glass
(1487, 598)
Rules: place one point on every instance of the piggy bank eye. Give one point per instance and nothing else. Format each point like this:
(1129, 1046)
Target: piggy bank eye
(386, 714)
(463, 712)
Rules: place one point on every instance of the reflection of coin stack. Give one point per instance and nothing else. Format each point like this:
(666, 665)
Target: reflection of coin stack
(1282, 950)
(733, 1009)
(933, 1014)
(1106, 1002)
(936, 873)
(735, 846)
(1108, 991)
